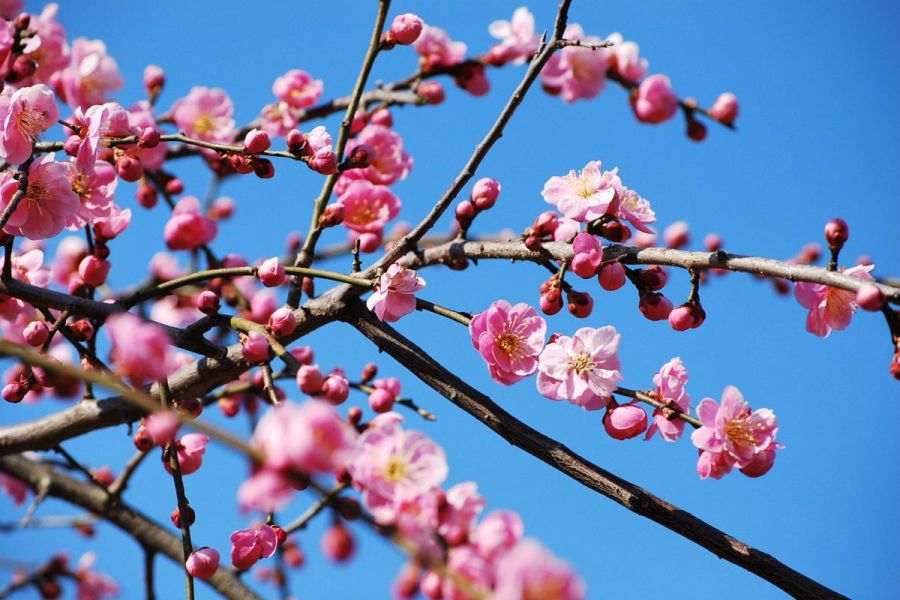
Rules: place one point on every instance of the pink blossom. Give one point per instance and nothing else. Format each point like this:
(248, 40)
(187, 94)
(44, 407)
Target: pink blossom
(436, 49)
(583, 196)
(162, 427)
(732, 430)
(509, 338)
(91, 75)
(140, 350)
(298, 89)
(624, 421)
(95, 183)
(588, 255)
(830, 308)
(250, 545)
(625, 58)
(29, 268)
(140, 118)
(266, 491)
(189, 450)
(725, 108)
(394, 295)
(279, 118)
(406, 28)
(48, 202)
(109, 226)
(14, 488)
(188, 227)
(24, 116)
(368, 207)
(164, 266)
(205, 114)
(93, 585)
(670, 381)
(498, 533)
(203, 563)
(255, 347)
(583, 369)
(576, 72)
(391, 163)
(308, 437)
(457, 516)
(465, 564)
(177, 310)
(530, 571)
(635, 210)
(518, 41)
(655, 101)
(53, 53)
(392, 465)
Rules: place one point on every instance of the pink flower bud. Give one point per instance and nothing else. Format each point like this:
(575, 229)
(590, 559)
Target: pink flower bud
(612, 276)
(681, 318)
(369, 241)
(174, 186)
(654, 101)
(360, 157)
(22, 68)
(263, 168)
(551, 301)
(295, 141)
(128, 168)
(310, 379)
(324, 161)
(146, 195)
(189, 513)
(696, 131)
(624, 421)
(255, 347)
(615, 231)
(654, 277)
(676, 235)
(36, 333)
(869, 296)
(713, 242)
(360, 120)
(241, 164)
(93, 271)
(154, 79)
(303, 354)
(161, 427)
(335, 388)
(142, 439)
(837, 232)
(72, 145)
(473, 79)
(332, 215)
(406, 28)
(337, 543)
(432, 586)
(580, 304)
(383, 117)
(465, 212)
(431, 91)
(82, 330)
(256, 141)
(485, 193)
(149, 137)
(13, 392)
(208, 302)
(381, 401)
(203, 563)
(655, 307)
(191, 407)
(271, 272)
(725, 108)
(282, 322)
(588, 255)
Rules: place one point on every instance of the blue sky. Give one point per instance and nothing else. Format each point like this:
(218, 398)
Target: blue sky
(817, 139)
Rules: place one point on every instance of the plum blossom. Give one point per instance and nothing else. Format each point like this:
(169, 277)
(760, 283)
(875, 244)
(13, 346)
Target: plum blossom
(394, 295)
(189, 227)
(497, 533)
(203, 563)
(732, 435)
(457, 516)
(406, 28)
(530, 571)
(95, 183)
(108, 227)
(583, 369)
(391, 163)
(588, 255)
(725, 108)
(93, 585)
(250, 545)
(140, 350)
(509, 338)
(368, 208)
(205, 114)
(436, 49)
(298, 89)
(576, 72)
(518, 40)
(189, 450)
(829, 308)
(655, 101)
(265, 491)
(583, 196)
(670, 381)
(625, 59)
(90, 76)
(24, 116)
(52, 55)
(391, 465)
(48, 201)
(635, 209)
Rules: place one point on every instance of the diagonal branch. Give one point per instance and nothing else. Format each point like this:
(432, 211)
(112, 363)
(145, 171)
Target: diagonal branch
(558, 456)
(148, 533)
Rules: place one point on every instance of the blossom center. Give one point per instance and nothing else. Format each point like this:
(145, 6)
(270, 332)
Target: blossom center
(395, 470)
(30, 122)
(581, 363)
(81, 186)
(204, 125)
(362, 215)
(742, 432)
(584, 187)
(509, 342)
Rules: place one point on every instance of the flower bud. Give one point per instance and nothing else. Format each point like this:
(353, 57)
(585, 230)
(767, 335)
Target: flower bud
(82, 330)
(264, 168)
(255, 347)
(142, 439)
(324, 161)
(869, 296)
(696, 131)
(282, 322)
(36, 333)
(580, 304)
(176, 516)
(337, 543)
(332, 215)
(551, 301)
(154, 80)
(72, 145)
(725, 108)
(431, 91)
(310, 379)
(681, 318)
(296, 141)
(836, 233)
(149, 137)
(146, 195)
(406, 28)
(654, 277)
(203, 563)
(623, 422)
(655, 307)
(676, 235)
(370, 370)
(174, 186)
(256, 141)
(271, 272)
(93, 271)
(128, 168)
(381, 401)
(208, 302)
(612, 276)
(382, 117)
(360, 157)
(14, 392)
(336, 389)
(485, 193)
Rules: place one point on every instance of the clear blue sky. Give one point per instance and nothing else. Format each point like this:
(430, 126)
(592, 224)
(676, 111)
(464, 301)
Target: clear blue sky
(817, 138)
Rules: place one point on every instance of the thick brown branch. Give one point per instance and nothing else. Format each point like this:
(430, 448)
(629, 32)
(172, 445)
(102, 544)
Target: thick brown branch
(148, 533)
(558, 456)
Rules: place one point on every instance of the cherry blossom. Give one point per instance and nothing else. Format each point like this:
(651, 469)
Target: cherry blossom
(437, 49)
(391, 163)
(625, 59)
